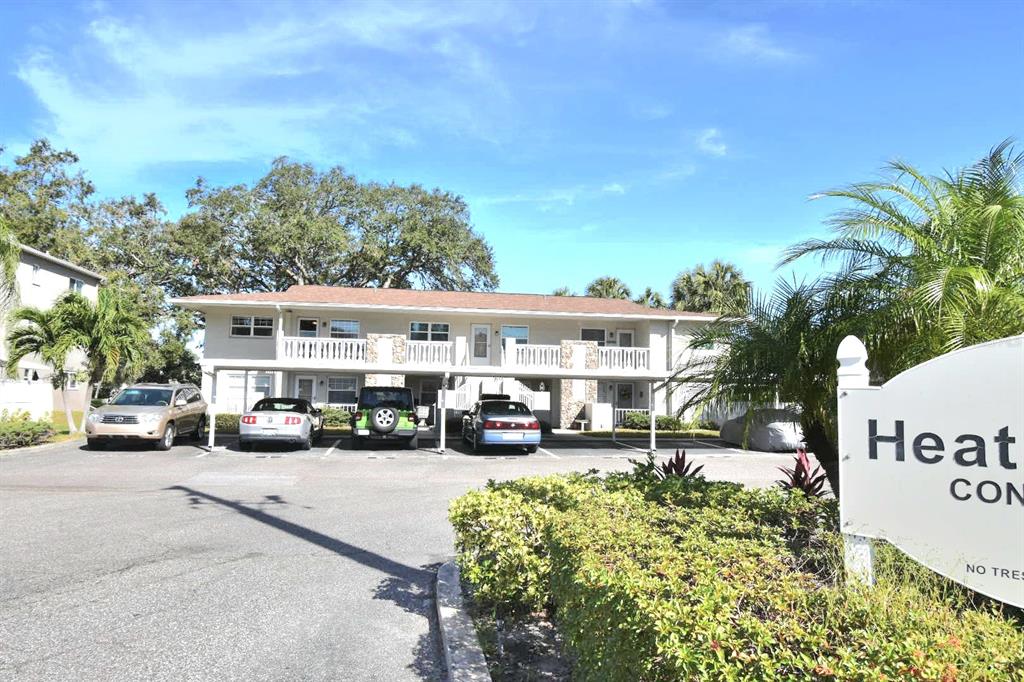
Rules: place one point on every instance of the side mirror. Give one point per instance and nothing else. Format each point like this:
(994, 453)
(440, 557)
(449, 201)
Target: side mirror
(180, 402)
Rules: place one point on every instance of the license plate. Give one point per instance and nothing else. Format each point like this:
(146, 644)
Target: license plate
(271, 431)
(362, 432)
(512, 436)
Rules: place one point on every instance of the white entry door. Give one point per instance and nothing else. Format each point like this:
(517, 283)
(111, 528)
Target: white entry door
(480, 344)
(624, 337)
(305, 388)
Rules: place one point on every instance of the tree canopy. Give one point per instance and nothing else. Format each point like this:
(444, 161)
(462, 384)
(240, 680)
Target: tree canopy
(719, 288)
(608, 287)
(301, 226)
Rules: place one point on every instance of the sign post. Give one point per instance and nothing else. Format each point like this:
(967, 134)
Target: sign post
(933, 463)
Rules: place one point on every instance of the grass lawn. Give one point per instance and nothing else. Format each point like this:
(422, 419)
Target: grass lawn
(60, 425)
(643, 433)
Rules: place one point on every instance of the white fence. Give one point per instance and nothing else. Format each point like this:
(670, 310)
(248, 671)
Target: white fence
(624, 358)
(344, 350)
(430, 352)
(35, 397)
(621, 412)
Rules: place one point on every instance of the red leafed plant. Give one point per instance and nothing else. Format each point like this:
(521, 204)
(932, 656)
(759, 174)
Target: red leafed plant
(800, 476)
(679, 467)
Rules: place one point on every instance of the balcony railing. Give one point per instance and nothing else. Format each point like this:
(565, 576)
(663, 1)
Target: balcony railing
(535, 356)
(634, 359)
(338, 350)
(430, 352)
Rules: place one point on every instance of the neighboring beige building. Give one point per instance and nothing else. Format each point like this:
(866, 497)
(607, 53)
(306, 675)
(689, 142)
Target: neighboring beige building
(41, 279)
(570, 358)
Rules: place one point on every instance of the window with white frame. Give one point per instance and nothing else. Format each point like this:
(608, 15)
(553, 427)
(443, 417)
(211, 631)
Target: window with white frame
(242, 394)
(429, 331)
(75, 285)
(341, 390)
(520, 333)
(598, 335)
(309, 327)
(252, 326)
(344, 329)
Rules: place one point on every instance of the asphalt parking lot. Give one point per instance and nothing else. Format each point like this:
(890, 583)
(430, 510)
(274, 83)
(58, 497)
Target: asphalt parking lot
(273, 564)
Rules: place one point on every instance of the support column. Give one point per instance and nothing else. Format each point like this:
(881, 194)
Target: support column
(212, 409)
(654, 420)
(442, 416)
(245, 392)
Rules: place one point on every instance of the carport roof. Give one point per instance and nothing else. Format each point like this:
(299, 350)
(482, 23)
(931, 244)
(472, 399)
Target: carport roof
(443, 300)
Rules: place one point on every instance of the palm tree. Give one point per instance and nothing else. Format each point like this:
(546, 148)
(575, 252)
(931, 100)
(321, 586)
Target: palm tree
(608, 287)
(944, 254)
(42, 333)
(10, 251)
(782, 349)
(111, 333)
(562, 291)
(720, 288)
(651, 299)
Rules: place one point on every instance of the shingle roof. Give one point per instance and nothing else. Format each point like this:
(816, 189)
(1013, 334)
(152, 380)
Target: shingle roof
(418, 298)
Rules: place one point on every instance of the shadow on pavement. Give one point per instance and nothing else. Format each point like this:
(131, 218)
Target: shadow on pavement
(408, 587)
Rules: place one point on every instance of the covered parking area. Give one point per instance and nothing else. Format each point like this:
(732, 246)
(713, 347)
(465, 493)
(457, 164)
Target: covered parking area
(573, 379)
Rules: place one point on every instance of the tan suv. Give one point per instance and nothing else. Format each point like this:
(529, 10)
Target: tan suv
(153, 412)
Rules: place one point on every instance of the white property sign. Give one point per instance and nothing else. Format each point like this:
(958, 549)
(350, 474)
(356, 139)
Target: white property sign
(933, 462)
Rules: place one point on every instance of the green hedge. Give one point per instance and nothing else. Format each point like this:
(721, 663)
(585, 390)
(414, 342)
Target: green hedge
(19, 430)
(689, 579)
(227, 422)
(335, 417)
(662, 422)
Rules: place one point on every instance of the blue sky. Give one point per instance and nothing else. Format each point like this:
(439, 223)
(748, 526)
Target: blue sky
(632, 139)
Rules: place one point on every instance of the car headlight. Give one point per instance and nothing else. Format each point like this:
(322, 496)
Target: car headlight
(149, 418)
(95, 417)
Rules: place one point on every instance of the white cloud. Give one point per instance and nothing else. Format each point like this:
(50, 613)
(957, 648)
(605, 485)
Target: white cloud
(752, 41)
(710, 142)
(614, 188)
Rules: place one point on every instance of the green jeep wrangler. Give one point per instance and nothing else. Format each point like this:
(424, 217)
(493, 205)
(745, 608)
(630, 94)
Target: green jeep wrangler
(384, 413)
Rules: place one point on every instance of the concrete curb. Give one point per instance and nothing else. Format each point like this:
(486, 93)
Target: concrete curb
(41, 448)
(462, 653)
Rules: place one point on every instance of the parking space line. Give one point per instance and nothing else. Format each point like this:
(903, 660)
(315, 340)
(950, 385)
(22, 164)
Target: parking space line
(548, 453)
(332, 448)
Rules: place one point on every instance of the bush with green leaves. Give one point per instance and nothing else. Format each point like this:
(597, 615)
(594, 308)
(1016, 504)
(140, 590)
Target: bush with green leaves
(685, 578)
(227, 422)
(335, 417)
(662, 422)
(19, 430)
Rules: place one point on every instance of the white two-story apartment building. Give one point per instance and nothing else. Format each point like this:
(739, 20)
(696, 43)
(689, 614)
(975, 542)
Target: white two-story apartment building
(40, 280)
(571, 358)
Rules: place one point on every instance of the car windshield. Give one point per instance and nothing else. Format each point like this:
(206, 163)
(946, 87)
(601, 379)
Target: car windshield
(268, 405)
(385, 398)
(504, 408)
(143, 396)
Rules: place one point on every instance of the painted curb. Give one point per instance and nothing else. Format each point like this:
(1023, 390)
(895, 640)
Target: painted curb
(462, 653)
(41, 448)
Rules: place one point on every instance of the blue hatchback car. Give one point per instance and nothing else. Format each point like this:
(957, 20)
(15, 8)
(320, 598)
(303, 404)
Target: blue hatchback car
(501, 422)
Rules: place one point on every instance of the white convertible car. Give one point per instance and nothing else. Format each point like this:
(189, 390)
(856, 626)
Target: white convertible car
(281, 420)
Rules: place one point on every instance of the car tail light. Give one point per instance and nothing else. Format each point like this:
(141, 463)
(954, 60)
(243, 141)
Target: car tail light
(492, 424)
(292, 421)
(249, 419)
(411, 416)
(357, 416)
(533, 426)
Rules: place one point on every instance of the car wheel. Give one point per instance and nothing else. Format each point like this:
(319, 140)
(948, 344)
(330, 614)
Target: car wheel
(357, 443)
(412, 443)
(475, 445)
(94, 444)
(167, 440)
(531, 449)
(200, 427)
(307, 443)
(244, 446)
